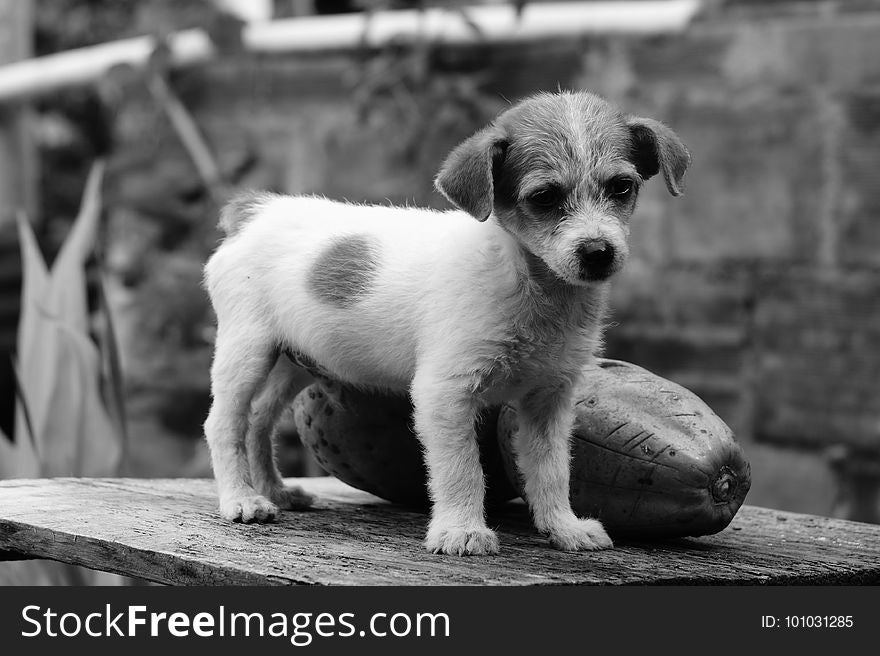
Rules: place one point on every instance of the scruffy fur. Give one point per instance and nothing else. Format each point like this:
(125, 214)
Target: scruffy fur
(462, 313)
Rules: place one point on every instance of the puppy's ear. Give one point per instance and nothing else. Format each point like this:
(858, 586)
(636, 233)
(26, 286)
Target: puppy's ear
(654, 148)
(467, 177)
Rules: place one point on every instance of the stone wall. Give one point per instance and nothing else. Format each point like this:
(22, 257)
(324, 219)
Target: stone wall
(758, 289)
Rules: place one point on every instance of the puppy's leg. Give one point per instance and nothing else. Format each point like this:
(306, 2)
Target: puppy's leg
(241, 364)
(277, 395)
(546, 417)
(444, 419)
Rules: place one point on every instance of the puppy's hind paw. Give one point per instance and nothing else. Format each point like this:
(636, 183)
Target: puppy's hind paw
(248, 509)
(458, 541)
(580, 535)
(292, 498)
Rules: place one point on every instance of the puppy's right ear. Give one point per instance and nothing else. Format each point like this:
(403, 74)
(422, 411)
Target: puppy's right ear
(467, 176)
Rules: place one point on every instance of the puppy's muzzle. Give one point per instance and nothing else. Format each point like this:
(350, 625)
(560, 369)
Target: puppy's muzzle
(596, 259)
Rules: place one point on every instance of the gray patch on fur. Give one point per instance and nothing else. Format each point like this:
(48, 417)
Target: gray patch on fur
(242, 208)
(345, 272)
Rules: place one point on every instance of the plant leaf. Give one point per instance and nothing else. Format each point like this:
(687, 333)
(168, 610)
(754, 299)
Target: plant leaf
(114, 396)
(17, 459)
(68, 278)
(82, 415)
(21, 400)
(59, 363)
(36, 352)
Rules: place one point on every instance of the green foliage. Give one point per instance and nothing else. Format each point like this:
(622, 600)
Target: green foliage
(63, 427)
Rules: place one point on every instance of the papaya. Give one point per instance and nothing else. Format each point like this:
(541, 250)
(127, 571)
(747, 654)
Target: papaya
(649, 458)
(366, 439)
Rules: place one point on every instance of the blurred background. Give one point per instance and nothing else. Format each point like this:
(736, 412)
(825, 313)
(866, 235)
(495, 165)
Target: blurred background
(758, 289)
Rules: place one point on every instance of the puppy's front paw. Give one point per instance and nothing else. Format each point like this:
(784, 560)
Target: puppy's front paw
(247, 509)
(580, 535)
(291, 498)
(460, 541)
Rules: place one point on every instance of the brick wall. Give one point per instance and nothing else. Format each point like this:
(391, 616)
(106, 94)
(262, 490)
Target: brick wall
(768, 266)
(758, 289)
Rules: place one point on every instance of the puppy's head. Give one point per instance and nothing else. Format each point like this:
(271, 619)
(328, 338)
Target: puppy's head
(561, 172)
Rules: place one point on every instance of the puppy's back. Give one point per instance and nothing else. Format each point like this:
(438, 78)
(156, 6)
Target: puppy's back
(350, 285)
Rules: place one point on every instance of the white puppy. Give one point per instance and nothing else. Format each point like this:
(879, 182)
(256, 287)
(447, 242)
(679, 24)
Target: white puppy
(502, 301)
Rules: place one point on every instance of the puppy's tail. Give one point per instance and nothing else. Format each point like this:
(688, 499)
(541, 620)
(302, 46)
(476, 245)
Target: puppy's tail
(241, 209)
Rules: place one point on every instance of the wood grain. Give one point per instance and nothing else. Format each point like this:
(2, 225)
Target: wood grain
(169, 531)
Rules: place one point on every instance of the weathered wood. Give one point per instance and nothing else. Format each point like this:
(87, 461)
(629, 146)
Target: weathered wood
(169, 531)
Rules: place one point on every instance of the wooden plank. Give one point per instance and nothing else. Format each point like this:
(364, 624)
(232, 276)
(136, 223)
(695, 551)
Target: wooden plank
(169, 531)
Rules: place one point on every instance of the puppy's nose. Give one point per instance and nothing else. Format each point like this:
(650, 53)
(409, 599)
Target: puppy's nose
(597, 259)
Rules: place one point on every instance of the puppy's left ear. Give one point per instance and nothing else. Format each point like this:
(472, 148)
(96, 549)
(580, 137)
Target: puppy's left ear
(467, 177)
(654, 148)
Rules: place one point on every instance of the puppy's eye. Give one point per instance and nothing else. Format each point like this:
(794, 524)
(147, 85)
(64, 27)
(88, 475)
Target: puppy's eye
(620, 188)
(547, 198)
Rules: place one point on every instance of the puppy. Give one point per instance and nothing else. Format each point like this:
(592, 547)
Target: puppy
(500, 301)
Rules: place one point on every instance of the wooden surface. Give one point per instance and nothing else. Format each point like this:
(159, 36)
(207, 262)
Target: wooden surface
(169, 531)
